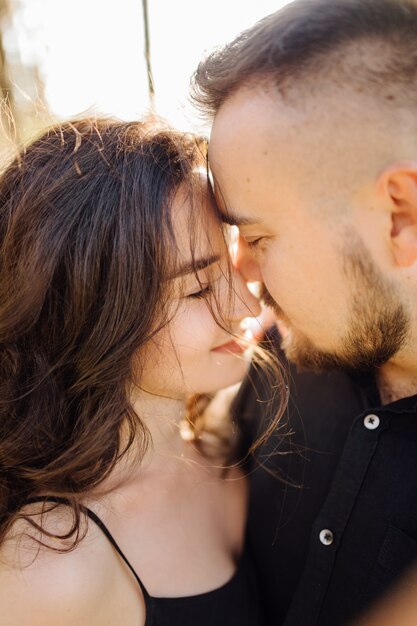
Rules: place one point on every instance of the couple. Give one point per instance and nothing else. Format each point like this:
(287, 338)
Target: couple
(123, 494)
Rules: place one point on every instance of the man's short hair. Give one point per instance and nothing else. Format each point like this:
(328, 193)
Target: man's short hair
(366, 45)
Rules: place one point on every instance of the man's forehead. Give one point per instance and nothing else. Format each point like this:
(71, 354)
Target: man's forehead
(243, 154)
(257, 113)
(230, 215)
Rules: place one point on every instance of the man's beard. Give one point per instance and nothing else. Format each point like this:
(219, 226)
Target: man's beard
(378, 324)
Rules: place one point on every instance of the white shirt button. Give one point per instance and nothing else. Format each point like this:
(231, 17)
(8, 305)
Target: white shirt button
(326, 537)
(371, 422)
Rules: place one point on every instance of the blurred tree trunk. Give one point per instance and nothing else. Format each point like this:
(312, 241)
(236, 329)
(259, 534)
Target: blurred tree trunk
(8, 114)
(151, 86)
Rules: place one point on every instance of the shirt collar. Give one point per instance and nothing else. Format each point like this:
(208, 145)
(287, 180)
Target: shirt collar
(368, 389)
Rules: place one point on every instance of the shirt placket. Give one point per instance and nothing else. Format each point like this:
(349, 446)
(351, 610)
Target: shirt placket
(329, 526)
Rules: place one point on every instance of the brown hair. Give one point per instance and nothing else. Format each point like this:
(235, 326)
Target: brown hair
(310, 40)
(86, 241)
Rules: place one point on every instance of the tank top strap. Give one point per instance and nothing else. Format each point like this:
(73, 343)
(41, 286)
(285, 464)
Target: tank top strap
(102, 527)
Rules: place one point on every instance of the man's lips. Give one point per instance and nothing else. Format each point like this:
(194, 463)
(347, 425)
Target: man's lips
(231, 347)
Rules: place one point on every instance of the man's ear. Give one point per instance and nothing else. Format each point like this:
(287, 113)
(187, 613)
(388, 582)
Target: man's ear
(398, 183)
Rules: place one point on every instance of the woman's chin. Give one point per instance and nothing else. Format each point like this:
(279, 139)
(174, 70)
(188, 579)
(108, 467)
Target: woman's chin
(232, 372)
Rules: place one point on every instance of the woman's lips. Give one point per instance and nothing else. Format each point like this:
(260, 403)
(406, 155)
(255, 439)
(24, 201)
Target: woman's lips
(231, 347)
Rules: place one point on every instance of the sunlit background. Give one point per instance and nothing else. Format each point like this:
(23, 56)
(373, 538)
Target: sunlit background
(62, 58)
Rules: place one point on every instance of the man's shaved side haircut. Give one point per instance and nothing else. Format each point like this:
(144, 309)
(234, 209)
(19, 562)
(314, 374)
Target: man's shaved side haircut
(369, 46)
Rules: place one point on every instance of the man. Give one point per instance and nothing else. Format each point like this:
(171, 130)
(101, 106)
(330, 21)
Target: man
(314, 157)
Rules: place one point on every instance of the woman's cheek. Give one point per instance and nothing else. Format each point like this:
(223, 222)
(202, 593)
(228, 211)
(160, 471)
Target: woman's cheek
(197, 330)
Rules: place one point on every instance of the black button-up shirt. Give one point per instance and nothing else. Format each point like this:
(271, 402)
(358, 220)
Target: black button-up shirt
(333, 514)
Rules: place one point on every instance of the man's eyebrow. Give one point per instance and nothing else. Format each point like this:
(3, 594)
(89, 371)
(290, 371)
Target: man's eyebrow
(233, 219)
(195, 266)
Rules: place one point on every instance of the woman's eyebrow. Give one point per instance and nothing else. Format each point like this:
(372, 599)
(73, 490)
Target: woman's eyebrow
(195, 266)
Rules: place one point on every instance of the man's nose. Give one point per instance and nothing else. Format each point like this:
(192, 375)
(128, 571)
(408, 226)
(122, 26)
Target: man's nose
(246, 263)
(245, 304)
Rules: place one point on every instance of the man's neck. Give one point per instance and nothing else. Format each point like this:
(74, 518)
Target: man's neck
(397, 379)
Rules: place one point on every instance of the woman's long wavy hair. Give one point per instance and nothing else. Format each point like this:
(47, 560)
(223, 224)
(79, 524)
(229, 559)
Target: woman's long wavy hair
(86, 249)
(86, 240)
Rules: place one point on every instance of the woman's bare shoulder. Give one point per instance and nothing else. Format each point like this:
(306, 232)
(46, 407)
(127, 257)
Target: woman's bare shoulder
(41, 585)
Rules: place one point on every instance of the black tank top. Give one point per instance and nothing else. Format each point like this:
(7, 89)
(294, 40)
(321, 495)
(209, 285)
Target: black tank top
(234, 604)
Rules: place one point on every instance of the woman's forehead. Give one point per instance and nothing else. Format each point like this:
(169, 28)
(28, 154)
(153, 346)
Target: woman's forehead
(194, 212)
(198, 232)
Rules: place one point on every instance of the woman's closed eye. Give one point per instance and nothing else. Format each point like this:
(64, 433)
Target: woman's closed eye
(201, 293)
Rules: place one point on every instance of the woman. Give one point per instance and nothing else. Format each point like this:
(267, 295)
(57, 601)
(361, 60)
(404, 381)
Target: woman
(117, 304)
